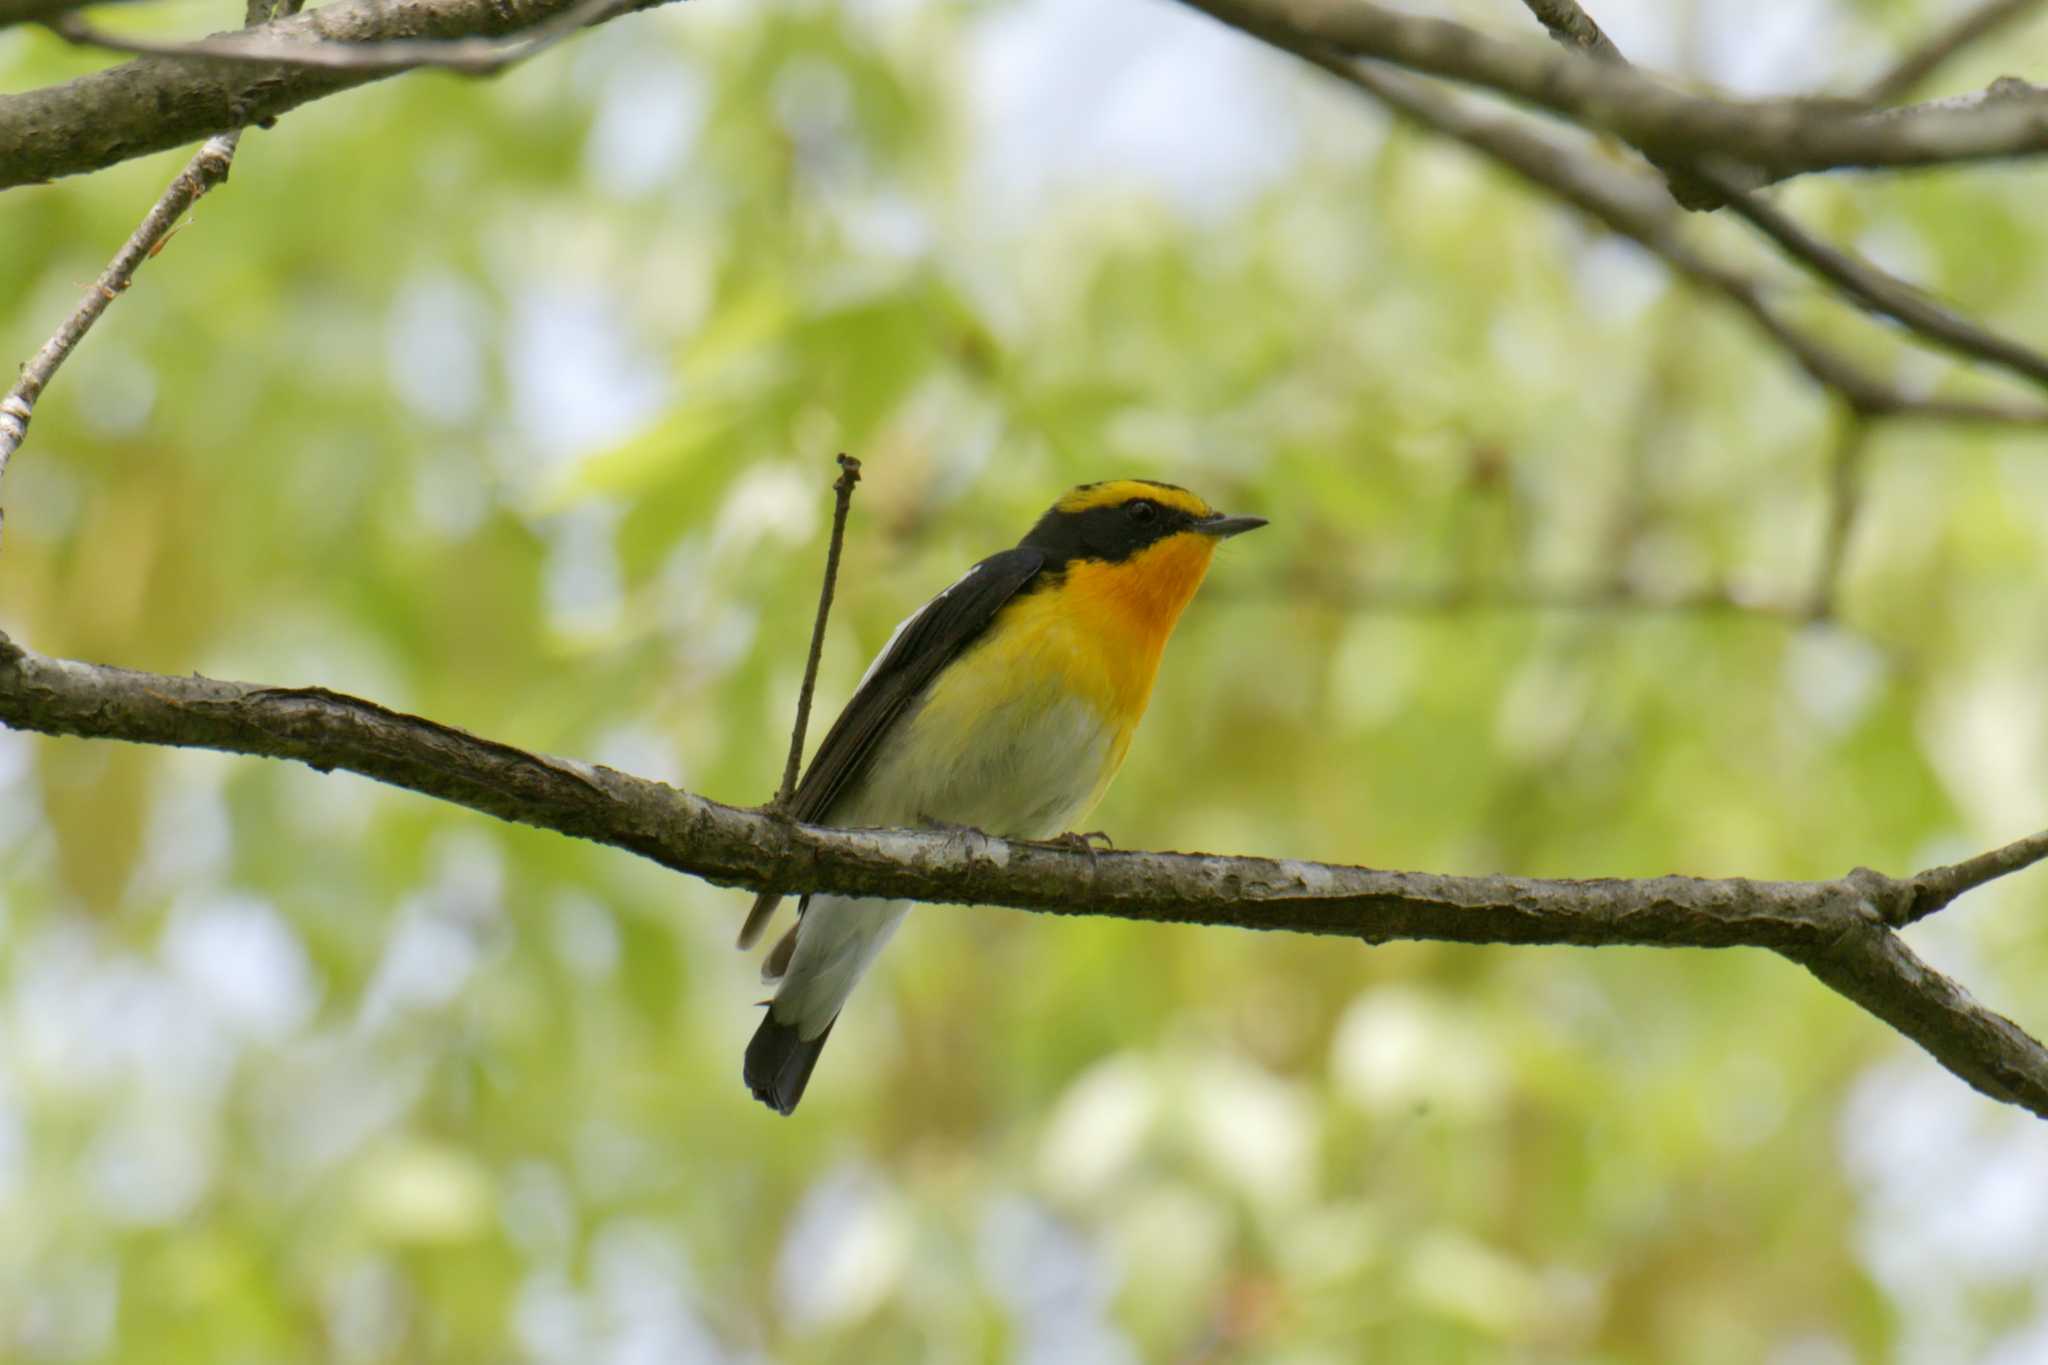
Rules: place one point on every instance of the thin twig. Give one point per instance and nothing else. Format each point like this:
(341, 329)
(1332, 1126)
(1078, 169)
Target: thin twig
(842, 503)
(1865, 283)
(1840, 930)
(1937, 886)
(1777, 138)
(1631, 207)
(1572, 27)
(1972, 26)
(208, 167)
(1881, 292)
(468, 56)
(1845, 500)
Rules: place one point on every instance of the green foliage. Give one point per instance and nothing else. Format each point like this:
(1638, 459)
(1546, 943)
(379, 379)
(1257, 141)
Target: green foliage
(514, 403)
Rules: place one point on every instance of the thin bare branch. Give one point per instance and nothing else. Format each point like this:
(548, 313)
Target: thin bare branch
(1965, 30)
(1861, 281)
(469, 56)
(1637, 208)
(1570, 25)
(207, 168)
(1937, 886)
(842, 503)
(1777, 137)
(1872, 966)
(1889, 296)
(158, 102)
(1844, 501)
(1839, 929)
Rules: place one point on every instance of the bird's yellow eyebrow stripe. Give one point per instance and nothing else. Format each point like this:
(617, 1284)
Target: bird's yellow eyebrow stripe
(1117, 491)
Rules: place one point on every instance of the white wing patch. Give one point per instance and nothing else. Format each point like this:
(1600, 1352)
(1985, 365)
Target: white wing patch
(889, 646)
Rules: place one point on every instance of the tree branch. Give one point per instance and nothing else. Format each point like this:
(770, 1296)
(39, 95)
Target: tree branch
(207, 168)
(159, 102)
(1780, 138)
(1844, 502)
(1859, 280)
(1631, 206)
(1840, 930)
(470, 56)
(1937, 886)
(1880, 292)
(1972, 26)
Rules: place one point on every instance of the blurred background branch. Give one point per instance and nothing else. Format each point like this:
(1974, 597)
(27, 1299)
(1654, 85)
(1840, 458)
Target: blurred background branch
(1780, 138)
(289, 52)
(1970, 27)
(1868, 285)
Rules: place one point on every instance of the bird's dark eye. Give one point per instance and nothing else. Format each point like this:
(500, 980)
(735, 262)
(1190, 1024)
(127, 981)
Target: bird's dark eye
(1142, 511)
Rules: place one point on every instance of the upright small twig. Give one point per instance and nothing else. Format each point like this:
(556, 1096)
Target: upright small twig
(842, 490)
(1845, 500)
(208, 167)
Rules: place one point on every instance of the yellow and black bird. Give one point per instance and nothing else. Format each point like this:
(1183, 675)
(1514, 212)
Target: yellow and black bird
(1005, 704)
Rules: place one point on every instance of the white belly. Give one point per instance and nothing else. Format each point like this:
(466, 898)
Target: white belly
(1017, 756)
(1025, 767)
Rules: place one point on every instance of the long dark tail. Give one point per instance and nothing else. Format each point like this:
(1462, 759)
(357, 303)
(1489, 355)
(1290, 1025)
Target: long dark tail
(779, 1063)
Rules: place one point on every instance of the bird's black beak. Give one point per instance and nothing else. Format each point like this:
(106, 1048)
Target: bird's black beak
(1223, 527)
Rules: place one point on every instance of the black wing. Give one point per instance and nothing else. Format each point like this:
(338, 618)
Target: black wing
(923, 645)
(927, 642)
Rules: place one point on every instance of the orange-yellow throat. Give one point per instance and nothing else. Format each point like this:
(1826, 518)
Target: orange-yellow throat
(1123, 614)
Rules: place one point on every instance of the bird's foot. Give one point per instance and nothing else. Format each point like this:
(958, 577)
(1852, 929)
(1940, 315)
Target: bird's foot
(1094, 841)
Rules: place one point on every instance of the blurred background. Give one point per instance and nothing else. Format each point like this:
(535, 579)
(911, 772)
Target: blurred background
(513, 403)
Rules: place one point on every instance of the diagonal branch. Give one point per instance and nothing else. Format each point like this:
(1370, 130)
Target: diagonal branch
(1859, 280)
(1780, 138)
(1840, 930)
(1885, 294)
(155, 103)
(207, 168)
(1937, 886)
(1844, 503)
(1971, 26)
(472, 56)
(1630, 206)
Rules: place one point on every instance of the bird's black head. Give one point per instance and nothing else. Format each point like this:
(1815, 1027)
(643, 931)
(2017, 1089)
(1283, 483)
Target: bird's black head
(1113, 521)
